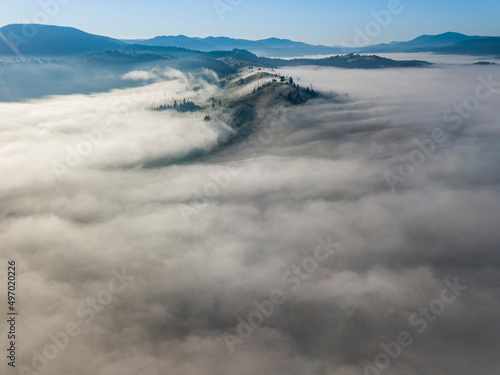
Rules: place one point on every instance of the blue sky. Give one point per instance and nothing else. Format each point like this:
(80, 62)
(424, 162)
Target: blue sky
(330, 22)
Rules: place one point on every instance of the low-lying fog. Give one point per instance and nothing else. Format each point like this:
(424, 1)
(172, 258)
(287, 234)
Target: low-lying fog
(435, 58)
(402, 174)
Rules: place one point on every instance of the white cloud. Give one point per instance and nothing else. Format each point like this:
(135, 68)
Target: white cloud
(322, 176)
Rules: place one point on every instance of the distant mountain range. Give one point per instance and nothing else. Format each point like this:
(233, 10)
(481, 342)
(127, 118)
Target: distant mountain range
(483, 46)
(44, 40)
(286, 48)
(266, 47)
(32, 39)
(424, 43)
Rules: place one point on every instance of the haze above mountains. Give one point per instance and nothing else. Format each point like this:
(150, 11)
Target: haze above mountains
(40, 40)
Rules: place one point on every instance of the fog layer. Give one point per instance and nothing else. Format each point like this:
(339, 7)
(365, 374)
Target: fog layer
(401, 174)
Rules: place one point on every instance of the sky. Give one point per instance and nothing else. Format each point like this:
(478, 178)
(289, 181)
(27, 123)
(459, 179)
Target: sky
(328, 22)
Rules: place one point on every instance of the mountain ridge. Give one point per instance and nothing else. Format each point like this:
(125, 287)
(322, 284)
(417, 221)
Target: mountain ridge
(482, 46)
(39, 40)
(278, 47)
(33, 39)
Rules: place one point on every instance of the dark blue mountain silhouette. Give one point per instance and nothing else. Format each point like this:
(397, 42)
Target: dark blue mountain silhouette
(424, 43)
(271, 46)
(287, 48)
(483, 46)
(44, 40)
(41, 40)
